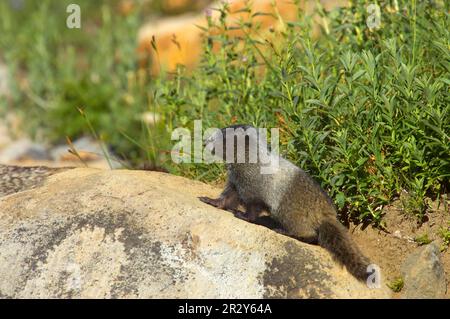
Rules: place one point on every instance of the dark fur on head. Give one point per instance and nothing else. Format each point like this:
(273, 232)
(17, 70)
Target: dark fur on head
(241, 133)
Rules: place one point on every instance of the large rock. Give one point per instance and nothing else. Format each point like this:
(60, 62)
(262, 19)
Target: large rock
(101, 234)
(423, 274)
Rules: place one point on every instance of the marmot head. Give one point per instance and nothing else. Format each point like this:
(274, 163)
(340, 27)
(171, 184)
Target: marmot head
(236, 143)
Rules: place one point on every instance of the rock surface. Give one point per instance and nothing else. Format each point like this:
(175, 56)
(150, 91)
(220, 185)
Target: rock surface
(423, 274)
(128, 234)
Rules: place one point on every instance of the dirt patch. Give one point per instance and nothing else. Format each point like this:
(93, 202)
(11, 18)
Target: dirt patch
(390, 248)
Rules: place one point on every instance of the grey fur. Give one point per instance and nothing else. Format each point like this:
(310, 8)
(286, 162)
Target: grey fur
(293, 199)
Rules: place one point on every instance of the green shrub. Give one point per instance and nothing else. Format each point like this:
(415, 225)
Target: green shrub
(396, 285)
(444, 233)
(365, 112)
(422, 240)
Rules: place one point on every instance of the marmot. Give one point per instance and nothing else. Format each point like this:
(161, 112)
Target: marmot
(15, 179)
(291, 197)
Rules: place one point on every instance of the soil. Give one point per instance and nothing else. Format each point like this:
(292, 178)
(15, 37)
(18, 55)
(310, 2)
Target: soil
(389, 248)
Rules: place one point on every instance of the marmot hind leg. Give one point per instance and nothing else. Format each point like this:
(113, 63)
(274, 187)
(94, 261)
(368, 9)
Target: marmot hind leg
(252, 212)
(305, 233)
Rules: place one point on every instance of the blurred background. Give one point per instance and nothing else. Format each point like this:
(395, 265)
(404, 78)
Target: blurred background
(105, 82)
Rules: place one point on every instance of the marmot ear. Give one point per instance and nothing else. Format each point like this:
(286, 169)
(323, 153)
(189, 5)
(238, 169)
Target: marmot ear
(236, 126)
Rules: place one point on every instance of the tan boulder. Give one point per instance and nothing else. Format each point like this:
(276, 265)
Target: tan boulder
(88, 233)
(424, 274)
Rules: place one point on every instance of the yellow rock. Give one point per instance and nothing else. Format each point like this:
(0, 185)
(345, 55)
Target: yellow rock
(178, 40)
